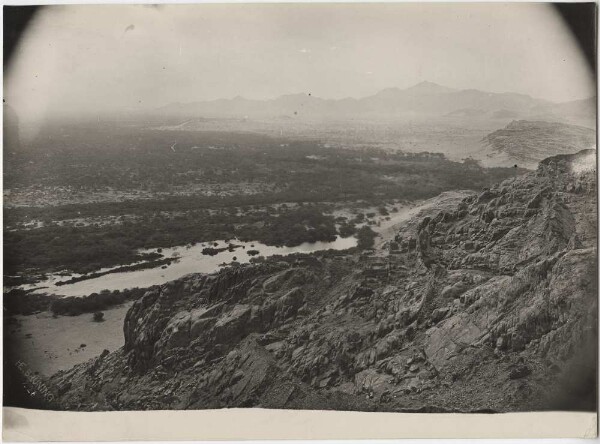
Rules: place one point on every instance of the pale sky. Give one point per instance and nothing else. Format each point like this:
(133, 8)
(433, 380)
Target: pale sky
(97, 58)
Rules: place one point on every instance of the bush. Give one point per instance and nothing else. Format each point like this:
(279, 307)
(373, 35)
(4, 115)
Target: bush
(98, 316)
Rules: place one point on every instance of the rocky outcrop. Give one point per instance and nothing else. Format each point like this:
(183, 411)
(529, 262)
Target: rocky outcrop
(480, 307)
(527, 142)
(223, 308)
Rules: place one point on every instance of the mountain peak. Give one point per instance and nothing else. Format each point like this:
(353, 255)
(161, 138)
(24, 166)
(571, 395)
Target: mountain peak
(429, 88)
(427, 83)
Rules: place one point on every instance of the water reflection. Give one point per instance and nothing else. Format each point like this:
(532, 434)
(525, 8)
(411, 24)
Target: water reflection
(189, 260)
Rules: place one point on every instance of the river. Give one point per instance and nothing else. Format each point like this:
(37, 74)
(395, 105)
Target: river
(189, 260)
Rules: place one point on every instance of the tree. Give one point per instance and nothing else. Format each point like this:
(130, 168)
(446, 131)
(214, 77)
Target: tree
(347, 230)
(360, 217)
(366, 238)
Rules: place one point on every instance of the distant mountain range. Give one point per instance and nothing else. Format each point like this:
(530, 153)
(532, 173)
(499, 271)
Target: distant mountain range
(425, 98)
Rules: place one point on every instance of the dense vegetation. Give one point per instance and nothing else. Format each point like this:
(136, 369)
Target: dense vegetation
(168, 173)
(292, 228)
(136, 159)
(20, 302)
(88, 248)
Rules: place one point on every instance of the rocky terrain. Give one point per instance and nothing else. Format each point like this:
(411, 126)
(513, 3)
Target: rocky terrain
(486, 307)
(525, 142)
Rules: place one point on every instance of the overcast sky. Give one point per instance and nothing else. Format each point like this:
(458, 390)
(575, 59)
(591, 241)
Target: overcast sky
(89, 58)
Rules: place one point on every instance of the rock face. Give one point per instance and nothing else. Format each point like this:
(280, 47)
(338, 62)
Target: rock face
(484, 307)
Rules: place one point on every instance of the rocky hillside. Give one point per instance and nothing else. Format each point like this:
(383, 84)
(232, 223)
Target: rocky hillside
(525, 143)
(490, 306)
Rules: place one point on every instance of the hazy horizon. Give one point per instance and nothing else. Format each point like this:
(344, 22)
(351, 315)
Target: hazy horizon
(103, 58)
(250, 97)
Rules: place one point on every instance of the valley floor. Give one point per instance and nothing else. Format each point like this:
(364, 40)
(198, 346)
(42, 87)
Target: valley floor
(470, 302)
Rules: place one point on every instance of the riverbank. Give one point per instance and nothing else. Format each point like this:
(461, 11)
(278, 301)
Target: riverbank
(185, 260)
(48, 344)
